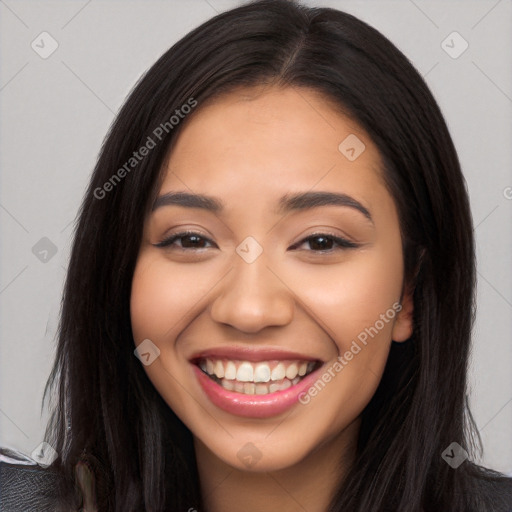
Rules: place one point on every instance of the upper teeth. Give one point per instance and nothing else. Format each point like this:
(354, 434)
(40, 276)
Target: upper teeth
(263, 371)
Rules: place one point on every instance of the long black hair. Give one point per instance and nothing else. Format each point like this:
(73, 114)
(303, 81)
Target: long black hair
(106, 411)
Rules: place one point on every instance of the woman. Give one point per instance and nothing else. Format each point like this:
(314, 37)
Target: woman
(270, 294)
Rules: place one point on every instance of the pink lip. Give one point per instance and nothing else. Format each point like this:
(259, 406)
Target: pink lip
(253, 406)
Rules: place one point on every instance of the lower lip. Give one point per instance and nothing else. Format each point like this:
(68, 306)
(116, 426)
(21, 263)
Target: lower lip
(253, 406)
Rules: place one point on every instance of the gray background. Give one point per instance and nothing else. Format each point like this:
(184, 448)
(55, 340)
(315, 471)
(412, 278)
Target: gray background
(56, 111)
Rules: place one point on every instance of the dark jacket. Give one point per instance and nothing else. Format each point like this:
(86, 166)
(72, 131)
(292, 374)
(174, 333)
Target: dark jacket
(27, 487)
(32, 488)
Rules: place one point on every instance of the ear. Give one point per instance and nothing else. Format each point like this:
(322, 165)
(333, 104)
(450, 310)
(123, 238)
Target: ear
(404, 323)
(403, 326)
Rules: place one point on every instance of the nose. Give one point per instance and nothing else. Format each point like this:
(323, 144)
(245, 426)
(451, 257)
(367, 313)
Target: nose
(253, 297)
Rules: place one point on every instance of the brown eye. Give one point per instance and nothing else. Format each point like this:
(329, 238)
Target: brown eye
(323, 242)
(188, 240)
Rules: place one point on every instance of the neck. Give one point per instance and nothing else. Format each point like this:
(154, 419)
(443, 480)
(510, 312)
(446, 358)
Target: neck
(309, 484)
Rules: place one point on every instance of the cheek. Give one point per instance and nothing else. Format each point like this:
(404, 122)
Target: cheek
(163, 296)
(161, 300)
(356, 303)
(348, 298)
(150, 296)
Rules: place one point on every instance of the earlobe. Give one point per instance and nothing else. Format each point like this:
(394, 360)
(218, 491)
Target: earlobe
(404, 323)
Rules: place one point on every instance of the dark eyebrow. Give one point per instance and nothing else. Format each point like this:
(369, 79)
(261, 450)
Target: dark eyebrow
(306, 200)
(188, 201)
(287, 203)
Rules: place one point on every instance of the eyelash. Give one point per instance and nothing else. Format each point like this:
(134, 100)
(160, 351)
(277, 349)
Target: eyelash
(342, 243)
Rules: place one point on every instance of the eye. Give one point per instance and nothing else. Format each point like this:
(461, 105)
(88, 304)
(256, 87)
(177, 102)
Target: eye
(318, 242)
(324, 242)
(188, 239)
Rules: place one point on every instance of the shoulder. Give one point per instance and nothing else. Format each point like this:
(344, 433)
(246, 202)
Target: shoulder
(489, 490)
(25, 485)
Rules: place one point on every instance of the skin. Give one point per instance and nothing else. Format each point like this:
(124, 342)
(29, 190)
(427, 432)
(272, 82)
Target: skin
(249, 148)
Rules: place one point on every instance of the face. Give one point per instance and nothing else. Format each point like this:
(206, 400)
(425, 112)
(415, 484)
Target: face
(273, 300)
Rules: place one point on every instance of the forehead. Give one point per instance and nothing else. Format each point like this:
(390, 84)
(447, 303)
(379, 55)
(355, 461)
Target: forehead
(266, 142)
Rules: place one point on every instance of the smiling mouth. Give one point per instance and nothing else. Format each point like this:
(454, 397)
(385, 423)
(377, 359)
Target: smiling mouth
(256, 378)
